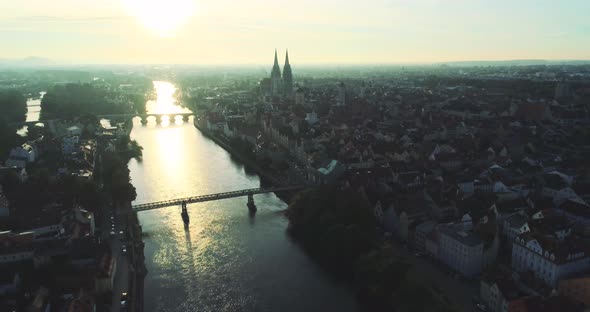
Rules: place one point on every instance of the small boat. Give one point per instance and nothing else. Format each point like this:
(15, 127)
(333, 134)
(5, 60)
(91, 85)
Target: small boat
(184, 215)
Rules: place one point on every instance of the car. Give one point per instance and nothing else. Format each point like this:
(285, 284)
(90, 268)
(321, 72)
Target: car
(123, 306)
(113, 233)
(481, 307)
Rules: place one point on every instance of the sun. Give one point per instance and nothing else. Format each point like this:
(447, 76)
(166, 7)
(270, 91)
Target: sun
(163, 17)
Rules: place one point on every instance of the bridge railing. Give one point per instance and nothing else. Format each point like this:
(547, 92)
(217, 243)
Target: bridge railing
(211, 197)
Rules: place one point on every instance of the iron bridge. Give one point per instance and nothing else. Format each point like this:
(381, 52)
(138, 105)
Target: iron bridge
(212, 197)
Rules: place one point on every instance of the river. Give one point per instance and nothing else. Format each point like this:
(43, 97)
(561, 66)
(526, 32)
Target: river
(34, 107)
(226, 261)
(33, 112)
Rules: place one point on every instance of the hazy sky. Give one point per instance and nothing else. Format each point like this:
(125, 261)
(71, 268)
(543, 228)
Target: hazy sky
(315, 31)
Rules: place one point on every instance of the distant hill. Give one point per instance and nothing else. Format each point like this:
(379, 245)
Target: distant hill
(30, 61)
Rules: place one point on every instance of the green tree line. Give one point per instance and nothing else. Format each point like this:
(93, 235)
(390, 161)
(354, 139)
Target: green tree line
(338, 229)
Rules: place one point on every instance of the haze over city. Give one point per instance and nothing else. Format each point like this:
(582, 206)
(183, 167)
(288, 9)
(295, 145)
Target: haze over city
(307, 155)
(315, 31)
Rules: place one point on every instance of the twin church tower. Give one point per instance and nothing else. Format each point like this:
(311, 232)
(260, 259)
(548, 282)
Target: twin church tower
(281, 86)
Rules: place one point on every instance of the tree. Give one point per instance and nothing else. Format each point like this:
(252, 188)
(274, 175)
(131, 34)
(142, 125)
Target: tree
(72, 100)
(121, 187)
(13, 106)
(34, 132)
(379, 273)
(8, 139)
(138, 101)
(116, 178)
(335, 225)
(88, 194)
(129, 148)
(10, 181)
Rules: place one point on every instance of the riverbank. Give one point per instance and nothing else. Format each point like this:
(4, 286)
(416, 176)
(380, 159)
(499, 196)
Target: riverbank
(128, 246)
(265, 175)
(137, 269)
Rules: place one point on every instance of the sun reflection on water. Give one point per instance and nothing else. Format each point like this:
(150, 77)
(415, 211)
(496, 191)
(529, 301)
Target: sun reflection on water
(166, 102)
(225, 261)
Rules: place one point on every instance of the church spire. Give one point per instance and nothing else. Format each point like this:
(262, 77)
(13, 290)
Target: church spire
(276, 69)
(275, 77)
(287, 77)
(286, 57)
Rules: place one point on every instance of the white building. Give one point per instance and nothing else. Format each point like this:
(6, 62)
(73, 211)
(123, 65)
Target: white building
(500, 295)
(21, 156)
(462, 251)
(74, 131)
(560, 195)
(311, 118)
(514, 226)
(550, 260)
(70, 145)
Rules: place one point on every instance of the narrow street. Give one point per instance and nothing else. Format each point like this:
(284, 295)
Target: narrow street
(110, 233)
(121, 281)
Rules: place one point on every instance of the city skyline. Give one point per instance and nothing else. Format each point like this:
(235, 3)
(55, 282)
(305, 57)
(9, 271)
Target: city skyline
(317, 155)
(315, 32)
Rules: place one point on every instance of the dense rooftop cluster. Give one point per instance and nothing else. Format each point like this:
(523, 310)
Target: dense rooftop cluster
(481, 170)
(58, 251)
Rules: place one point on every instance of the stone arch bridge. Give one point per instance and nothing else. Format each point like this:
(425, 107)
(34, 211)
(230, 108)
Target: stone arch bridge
(144, 117)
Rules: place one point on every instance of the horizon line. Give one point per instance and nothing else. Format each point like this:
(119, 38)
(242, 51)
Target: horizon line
(11, 62)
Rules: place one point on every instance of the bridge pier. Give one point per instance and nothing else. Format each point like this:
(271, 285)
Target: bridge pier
(251, 205)
(185, 117)
(143, 120)
(184, 215)
(159, 119)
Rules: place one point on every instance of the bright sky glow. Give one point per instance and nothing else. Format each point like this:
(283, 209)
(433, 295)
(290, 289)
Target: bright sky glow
(315, 31)
(162, 16)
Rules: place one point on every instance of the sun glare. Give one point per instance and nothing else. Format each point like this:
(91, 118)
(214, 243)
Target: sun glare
(163, 17)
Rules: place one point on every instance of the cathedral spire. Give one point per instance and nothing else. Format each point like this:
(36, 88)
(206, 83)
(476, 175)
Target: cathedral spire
(287, 57)
(276, 69)
(275, 77)
(276, 59)
(287, 77)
